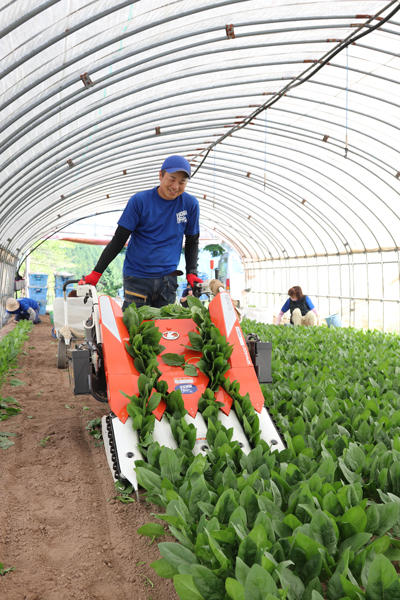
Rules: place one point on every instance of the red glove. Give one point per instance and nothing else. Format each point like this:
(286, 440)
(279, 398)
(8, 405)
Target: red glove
(192, 279)
(91, 279)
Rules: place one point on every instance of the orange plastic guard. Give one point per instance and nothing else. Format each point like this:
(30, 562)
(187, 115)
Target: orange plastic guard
(175, 336)
(121, 374)
(224, 317)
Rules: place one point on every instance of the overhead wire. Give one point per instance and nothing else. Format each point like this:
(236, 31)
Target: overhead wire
(307, 74)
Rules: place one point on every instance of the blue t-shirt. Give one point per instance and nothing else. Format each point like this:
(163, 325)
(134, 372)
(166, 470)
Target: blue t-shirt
(186, 292)
(157, 227)
(286, 306)
(24, 304)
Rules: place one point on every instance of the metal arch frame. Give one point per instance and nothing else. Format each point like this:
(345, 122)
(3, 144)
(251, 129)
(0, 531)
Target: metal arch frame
(198, 33)
(105, 63)
(26, 17)
(89, 21)
(119, 144)
(95, 201)
(291, 196)
(72, 98)
(114, 99)
(110, 100)
(309, 72)
(75, 190)
(112, 40)
(288, 19)
(156, 168)
(98, 121)
(67, 138)
(140, 136)
(387, 206)
(314, 192)
(344, 219)
(229, 207)
(84, 92)
(103, 184)
(259, 200)
(293, 131)
(67, 101)
(351, 129)
(335, 143)
(339, 200)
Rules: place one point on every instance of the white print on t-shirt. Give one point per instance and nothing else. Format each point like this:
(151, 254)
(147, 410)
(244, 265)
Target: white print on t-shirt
(181, 217)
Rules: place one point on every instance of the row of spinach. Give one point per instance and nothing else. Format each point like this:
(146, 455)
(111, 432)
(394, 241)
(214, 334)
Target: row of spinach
(10, 347)
(320, 520)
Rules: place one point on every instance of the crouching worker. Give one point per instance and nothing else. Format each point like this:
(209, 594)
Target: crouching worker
(302, 310)
(188, 291)
(23, 309)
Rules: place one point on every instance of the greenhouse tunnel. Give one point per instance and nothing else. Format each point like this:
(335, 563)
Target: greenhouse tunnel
(287, 111)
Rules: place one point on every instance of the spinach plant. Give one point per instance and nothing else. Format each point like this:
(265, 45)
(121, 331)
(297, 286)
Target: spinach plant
(320, 520)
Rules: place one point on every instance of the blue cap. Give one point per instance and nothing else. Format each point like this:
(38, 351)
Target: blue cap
(175, 163)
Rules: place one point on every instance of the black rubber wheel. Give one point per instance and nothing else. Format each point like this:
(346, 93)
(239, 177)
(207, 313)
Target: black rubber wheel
(62, 359)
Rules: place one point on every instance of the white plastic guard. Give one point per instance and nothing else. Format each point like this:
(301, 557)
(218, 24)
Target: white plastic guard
(126, 446)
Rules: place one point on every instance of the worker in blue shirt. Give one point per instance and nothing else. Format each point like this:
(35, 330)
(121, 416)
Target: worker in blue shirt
(302, 310)
(156, 221)
(23, 309)
(188, 291)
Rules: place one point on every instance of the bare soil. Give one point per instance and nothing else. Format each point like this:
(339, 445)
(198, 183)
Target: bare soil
(61, 527)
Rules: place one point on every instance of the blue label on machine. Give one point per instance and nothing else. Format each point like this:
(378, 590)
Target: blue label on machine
(186, 388)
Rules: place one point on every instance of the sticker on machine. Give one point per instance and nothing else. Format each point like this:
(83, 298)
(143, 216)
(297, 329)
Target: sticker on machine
(170, 335)
(186, 386)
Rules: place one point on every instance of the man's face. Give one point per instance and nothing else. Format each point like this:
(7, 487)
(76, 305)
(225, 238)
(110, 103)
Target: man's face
(172, 184)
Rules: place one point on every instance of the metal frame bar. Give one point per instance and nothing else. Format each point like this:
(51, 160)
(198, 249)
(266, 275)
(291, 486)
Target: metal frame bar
(47, 190)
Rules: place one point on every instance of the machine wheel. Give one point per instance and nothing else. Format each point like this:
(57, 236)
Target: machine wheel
(62, 359)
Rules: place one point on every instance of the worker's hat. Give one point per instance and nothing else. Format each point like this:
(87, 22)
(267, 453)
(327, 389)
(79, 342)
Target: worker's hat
(12, 304)
(176, 163)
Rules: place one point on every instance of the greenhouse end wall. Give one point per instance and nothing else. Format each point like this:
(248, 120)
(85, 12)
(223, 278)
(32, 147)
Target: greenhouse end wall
(362, 289)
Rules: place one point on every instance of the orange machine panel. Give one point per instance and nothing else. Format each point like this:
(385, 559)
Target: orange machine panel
(222, 396)
(224, 317)
(175, 338)
(121, 374)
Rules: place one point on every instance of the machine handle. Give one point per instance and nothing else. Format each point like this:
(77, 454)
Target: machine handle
(69, 283)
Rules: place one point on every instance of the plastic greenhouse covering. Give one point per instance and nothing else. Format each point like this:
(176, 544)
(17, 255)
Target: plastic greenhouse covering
(287, 111)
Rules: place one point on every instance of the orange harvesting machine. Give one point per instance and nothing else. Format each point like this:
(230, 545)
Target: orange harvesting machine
(113, 376)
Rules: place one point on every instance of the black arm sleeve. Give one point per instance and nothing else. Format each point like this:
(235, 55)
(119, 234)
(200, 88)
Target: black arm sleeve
(191, 253)
(112, 249)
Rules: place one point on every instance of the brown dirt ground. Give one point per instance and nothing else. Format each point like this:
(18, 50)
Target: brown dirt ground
(61, 527)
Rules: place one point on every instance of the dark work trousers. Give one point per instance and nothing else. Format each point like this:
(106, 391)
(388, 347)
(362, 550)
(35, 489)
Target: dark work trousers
(33, 315)
(153, 292)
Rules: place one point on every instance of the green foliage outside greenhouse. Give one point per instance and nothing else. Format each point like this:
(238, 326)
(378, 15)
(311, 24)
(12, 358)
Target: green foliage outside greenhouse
(56, 256)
